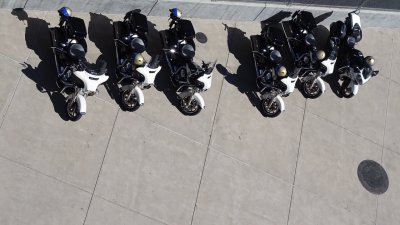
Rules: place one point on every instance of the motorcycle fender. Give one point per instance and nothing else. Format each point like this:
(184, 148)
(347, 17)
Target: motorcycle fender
(321, 84)
(281, 103)
(140, 95)
(200, 100)
(354, 87)
(149, 74)
(81, 104)
(330, 66)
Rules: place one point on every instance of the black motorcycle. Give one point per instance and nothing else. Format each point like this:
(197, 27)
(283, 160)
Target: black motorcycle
(311, 63)
(133, 73)
(272, 81)
(75, 75)
(187, 77)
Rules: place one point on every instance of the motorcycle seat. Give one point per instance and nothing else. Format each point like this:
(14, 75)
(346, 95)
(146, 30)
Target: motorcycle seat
(99, 68)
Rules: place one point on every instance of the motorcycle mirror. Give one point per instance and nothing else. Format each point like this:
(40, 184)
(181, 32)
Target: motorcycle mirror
(374, 73)
(201, 37)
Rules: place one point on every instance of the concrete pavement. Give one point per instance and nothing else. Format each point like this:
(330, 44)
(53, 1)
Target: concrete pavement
(228, 165)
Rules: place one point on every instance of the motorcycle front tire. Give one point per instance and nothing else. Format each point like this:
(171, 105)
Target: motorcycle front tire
(190, 110)
(129, 104)
(267, 111)
(345, 90)
(311, 92)
(73, 110)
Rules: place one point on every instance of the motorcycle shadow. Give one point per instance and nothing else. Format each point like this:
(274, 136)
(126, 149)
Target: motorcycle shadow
(37, 39)
(244, 78)
(100, 32)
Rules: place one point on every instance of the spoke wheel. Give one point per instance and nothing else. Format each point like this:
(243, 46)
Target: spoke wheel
(270, 110)
(310, 90)
(346, 90)
(190, 109)
(129, 103)
(73, 110)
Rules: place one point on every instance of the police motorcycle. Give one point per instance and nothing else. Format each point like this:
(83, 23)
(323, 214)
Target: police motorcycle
(357, 70)
(310, 63)
(75, 75)
(272, 81)
(187, 76)
(133, 73)
(354, 69)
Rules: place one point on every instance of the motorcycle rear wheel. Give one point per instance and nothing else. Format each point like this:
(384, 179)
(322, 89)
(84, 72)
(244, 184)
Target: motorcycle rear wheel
(191, 109)
(311, 92)
(273, 110)
(129, 103)
(73, 110)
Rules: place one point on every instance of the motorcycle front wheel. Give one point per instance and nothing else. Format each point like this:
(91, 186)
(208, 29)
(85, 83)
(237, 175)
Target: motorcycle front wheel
(310, 90)
(346, 90)
(73, 110)
(190, 109)
(270, 109)
(129, 103)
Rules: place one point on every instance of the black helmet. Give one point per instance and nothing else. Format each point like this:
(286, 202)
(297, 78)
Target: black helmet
(188, 51)
(137, 45)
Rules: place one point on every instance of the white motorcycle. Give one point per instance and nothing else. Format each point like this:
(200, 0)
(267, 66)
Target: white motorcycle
(133, 72)
(188, 78)
(76, 76)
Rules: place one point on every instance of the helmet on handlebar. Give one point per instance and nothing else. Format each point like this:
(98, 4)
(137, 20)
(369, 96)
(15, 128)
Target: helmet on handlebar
(370, 60)
(175, 13)
(138, 59)
(281, 71)
(138, 45)
(320, 55)
(65, 11)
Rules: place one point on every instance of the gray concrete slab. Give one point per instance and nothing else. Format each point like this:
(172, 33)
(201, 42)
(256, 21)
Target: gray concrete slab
(98, 6)
(30, 198)
(103, 212)
(233, 193)
(395, 57)
(392, 131)
(379, 43)
(388, 203)
(17, 33)
(327, 167)
(364, 114)
(35, 134)
(11, 4)
(209, 10)
(10, 77)
(308, 208)
(151, 170)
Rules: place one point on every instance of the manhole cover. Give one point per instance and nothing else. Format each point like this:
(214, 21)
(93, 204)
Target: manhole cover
(373, 177)
(201, 37)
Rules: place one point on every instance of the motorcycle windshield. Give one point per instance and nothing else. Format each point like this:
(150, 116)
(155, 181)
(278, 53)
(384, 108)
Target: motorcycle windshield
(367, 72)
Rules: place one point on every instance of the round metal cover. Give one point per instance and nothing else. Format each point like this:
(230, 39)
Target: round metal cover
(373, 177)
(201, 37)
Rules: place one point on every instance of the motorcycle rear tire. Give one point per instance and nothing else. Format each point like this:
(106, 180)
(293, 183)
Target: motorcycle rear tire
(267, 112)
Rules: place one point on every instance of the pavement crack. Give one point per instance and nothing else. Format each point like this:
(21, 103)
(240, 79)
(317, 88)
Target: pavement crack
(101, 166)
(209, 144)
(297, 162)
